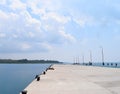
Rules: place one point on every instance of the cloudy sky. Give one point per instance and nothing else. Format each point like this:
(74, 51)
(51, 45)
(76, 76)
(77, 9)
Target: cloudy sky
(60, 29)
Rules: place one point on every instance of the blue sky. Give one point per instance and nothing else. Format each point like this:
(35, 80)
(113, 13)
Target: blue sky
(60, 29)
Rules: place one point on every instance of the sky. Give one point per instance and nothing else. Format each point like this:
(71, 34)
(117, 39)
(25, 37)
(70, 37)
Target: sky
(60, 29)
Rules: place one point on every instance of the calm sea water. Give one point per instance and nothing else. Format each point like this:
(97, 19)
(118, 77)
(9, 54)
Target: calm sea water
(15, 77)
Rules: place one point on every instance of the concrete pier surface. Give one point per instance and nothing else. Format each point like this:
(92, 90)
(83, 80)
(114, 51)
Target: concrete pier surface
(76, 79)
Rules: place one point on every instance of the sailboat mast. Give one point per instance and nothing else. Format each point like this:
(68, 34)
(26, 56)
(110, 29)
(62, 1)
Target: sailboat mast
(83, 59)
(90, 56)
(102, 55)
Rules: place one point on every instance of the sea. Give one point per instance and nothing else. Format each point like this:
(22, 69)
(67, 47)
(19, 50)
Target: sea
(15, 77)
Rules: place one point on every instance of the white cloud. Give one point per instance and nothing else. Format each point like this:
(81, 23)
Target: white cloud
(2, 2)
(2, 35)
(15, 36)
(3, 15)
(17, 5)
(46, 45)
(59, 18)
(40, 25)
(54, 30)
(30, 21)
(40, 7)
(84, 20)
(67, 37)
(25, 46)
(30, 33)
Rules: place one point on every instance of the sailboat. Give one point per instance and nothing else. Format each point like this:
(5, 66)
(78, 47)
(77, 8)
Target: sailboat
(102, 57)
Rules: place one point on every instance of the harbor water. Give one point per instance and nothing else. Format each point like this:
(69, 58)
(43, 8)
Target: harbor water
(15, 77)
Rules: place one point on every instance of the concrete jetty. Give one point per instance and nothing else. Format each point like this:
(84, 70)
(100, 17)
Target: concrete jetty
(76, 79)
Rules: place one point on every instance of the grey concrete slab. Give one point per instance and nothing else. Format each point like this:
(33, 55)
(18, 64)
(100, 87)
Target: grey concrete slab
(75, 79)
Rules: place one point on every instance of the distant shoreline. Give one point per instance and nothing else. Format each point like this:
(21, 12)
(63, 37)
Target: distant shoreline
(26, 61)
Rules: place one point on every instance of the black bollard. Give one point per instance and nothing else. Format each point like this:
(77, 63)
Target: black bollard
(46, 69)
(44, 72)
(103, 63)
(38, 78)
(24, 92)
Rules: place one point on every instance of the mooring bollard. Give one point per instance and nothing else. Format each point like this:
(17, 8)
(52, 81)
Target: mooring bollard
(51, 68)
(46, 69)
(24, 92)
(38, 78)
(44, 72)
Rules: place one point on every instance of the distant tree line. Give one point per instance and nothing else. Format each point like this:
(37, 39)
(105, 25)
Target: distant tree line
(25, 61)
